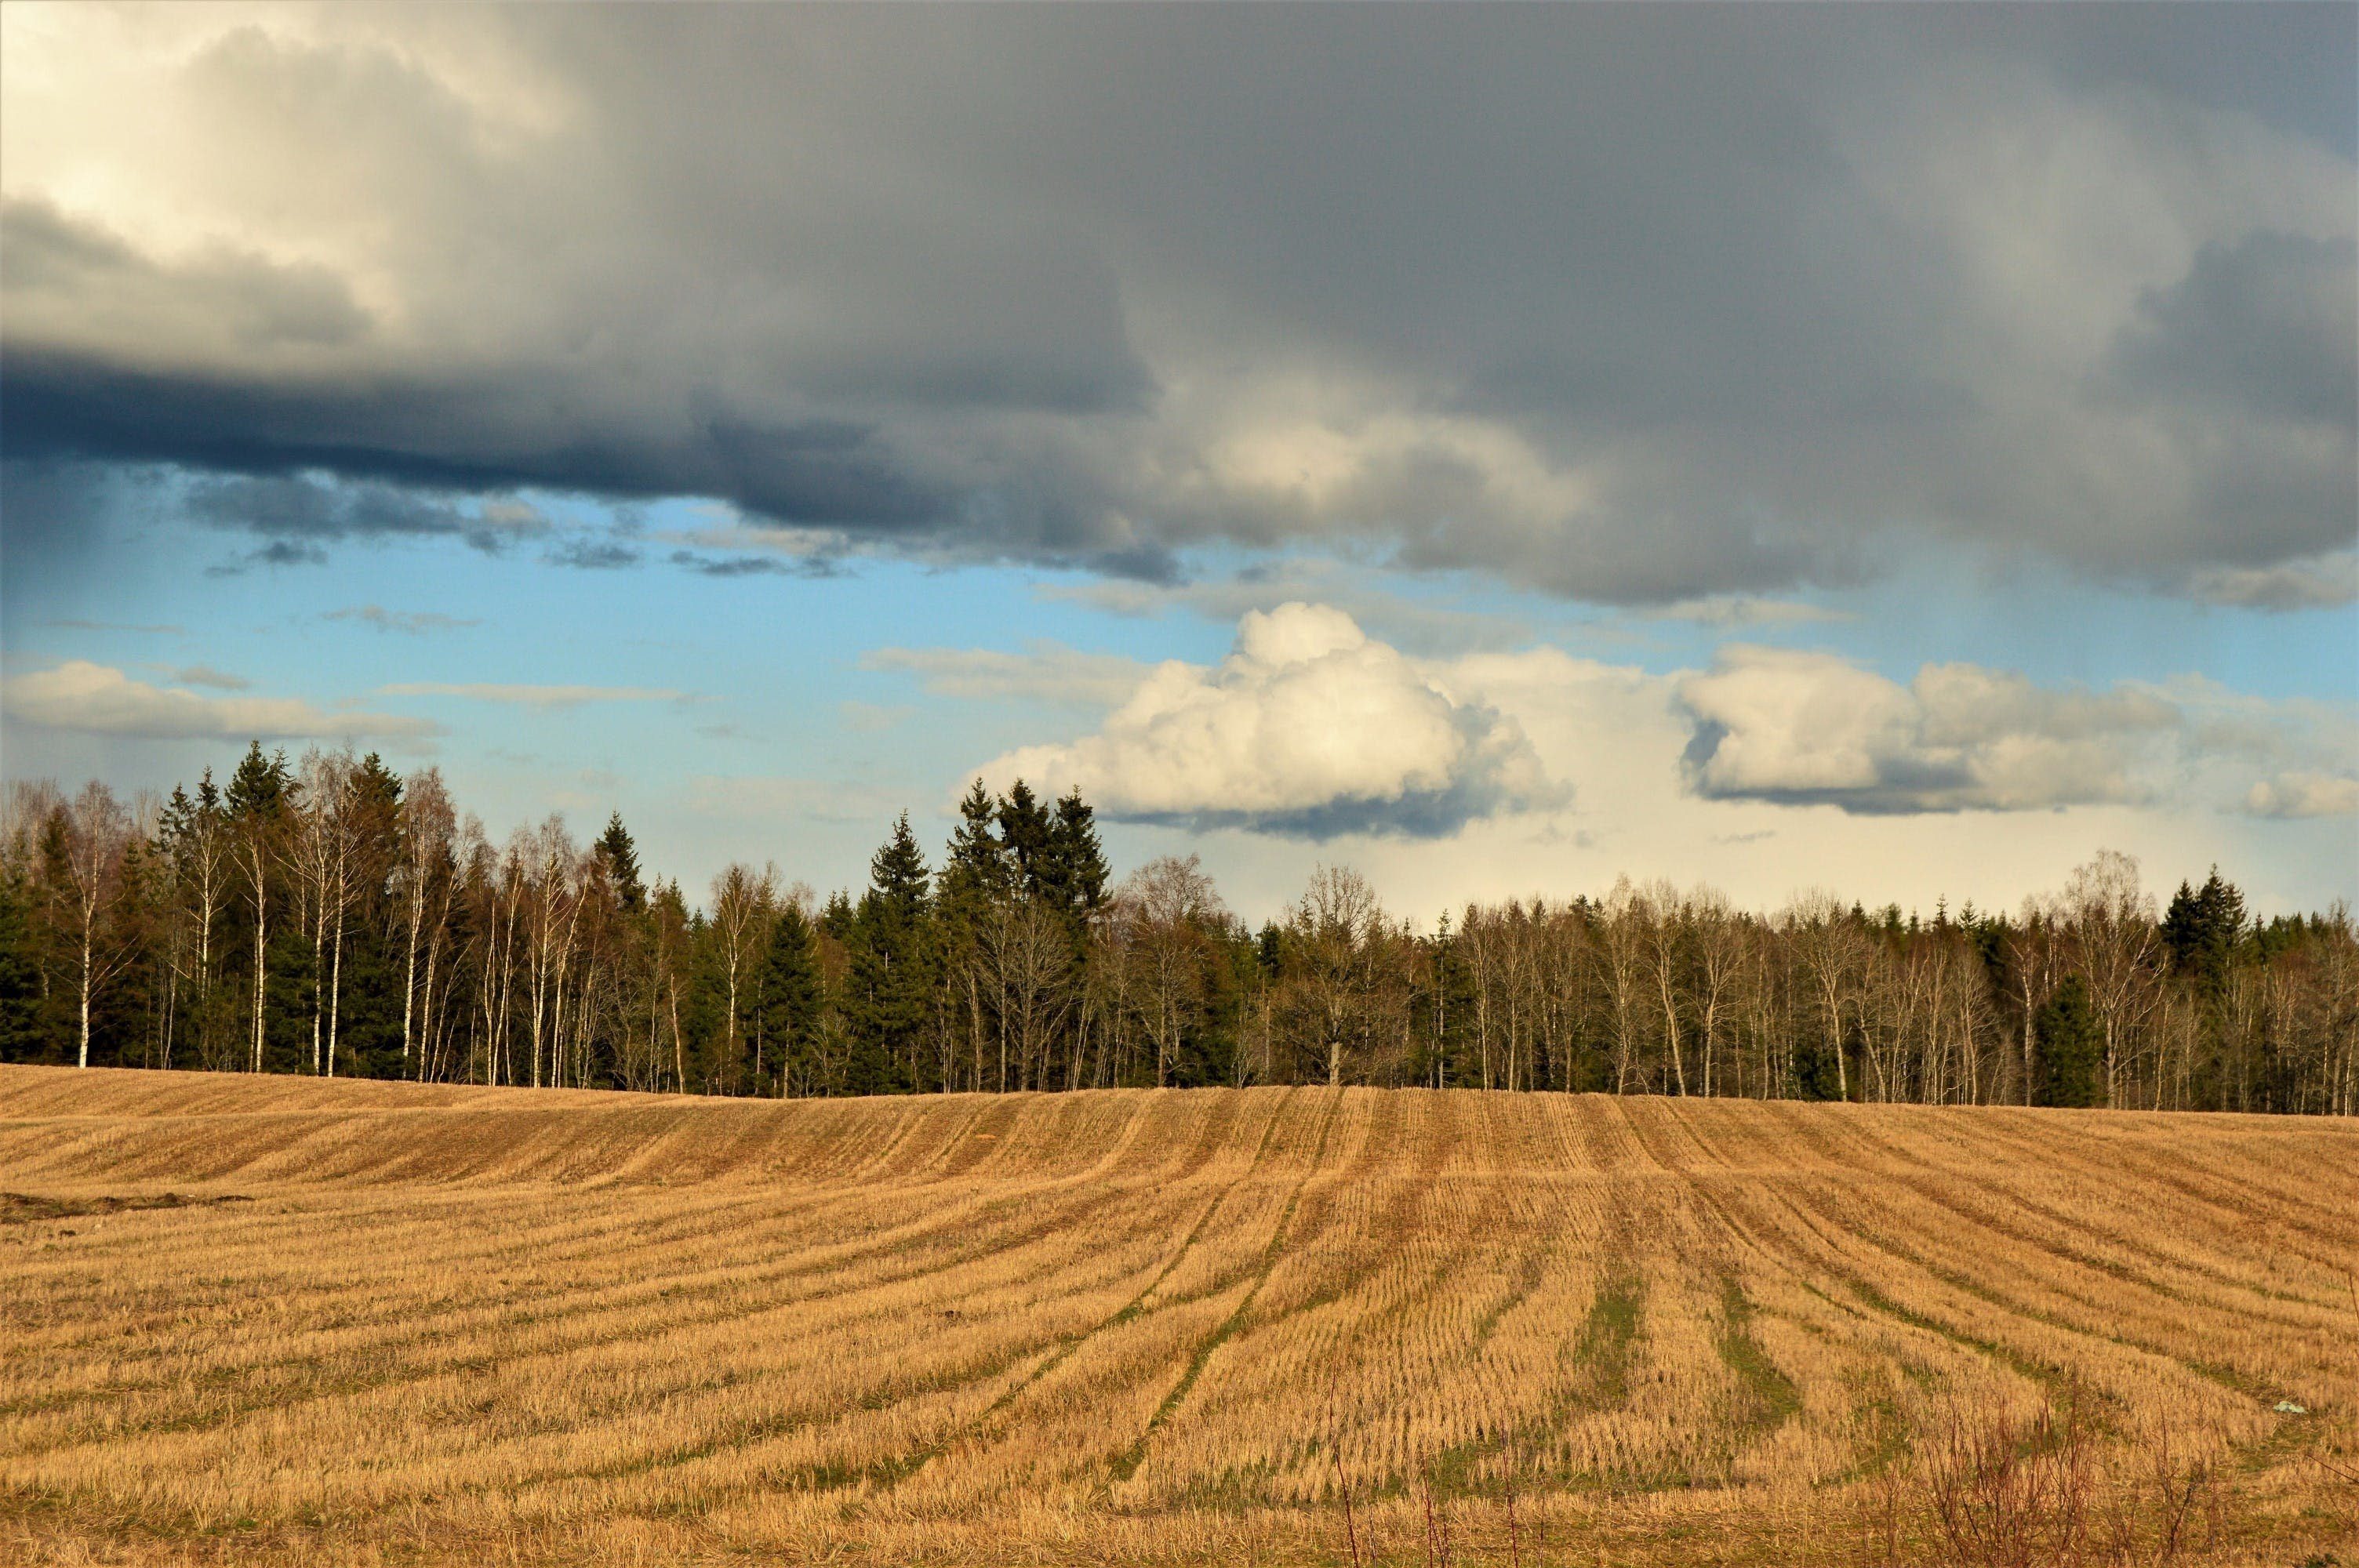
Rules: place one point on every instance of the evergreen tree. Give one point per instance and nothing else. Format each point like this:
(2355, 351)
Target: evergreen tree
(260, 786)
(976, 876)
(369, 1026)
(2070, 1047)
(892, 969)
(792, 991)
(1024, 827)
(898, 877)
(620, 856)
(2201, 930)
(977, 864)
(20, 975)
(1074, 872)
(258, 802)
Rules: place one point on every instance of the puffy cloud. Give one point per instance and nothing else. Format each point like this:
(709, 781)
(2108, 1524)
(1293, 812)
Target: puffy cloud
(95, 699)
(2294, 795)
(1308, 729)
(1751, 285)
(1814, 729)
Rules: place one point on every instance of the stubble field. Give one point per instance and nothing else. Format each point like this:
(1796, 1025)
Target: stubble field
(279, 1321)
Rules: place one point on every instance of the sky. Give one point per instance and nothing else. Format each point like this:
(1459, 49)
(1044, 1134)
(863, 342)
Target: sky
(1899, 450)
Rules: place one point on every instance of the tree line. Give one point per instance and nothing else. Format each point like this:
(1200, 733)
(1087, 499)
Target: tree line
(330, 917)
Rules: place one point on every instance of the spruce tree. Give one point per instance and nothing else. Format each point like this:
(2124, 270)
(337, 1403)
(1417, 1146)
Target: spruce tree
(892, 967)
(621, 858)
(258, 788)
(897, 874)
(1074, 868)
(975, 877)
(258, 802)
(791, 989)
(1023, 830)
(20, 979)
(366, 980)
(2202, 929)
(2071, 1045)
(977, 864)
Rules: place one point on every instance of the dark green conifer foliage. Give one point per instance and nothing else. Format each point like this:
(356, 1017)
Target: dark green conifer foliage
(258, 788)
(621, 857)
(368, 1006)
(977, 865)
(2071, 1046)
(790, 990)
(1269, 950)
(2201, 929)
(1024, 830)
(1074, 871)
(20, 978)
(892, 969)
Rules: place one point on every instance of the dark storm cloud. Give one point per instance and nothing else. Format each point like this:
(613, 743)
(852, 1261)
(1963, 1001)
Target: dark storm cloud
(1634, 304)
(306, 510)
(58, 267)
(2264, 325)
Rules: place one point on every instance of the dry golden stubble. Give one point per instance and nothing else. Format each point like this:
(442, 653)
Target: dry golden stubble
(256, 1320)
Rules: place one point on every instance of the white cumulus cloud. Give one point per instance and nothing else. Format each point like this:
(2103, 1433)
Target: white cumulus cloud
(2301, 793)
(1308, 729)
(1812, 728)
(97, 699)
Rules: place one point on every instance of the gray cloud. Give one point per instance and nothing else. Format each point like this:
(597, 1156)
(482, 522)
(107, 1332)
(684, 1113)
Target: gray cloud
(1728, 612)
(755, 566)
(2267, 324)
(591, 554)
(298, 512)
(1634, 304)
(2320, 582)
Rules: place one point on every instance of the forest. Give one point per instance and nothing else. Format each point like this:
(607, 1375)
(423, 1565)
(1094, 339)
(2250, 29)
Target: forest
(330, 917)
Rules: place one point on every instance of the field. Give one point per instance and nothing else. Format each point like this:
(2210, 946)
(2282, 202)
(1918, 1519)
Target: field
(281, 1321)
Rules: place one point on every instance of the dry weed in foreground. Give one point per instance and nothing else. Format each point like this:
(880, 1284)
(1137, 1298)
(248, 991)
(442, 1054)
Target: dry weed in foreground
(270, 1321)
